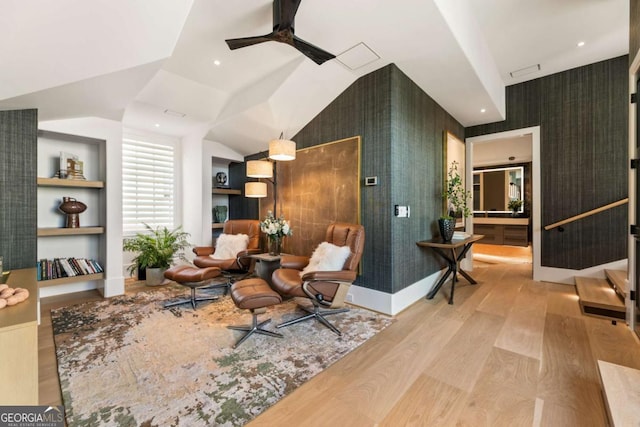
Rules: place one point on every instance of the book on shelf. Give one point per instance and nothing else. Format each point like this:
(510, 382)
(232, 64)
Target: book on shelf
(49, 269)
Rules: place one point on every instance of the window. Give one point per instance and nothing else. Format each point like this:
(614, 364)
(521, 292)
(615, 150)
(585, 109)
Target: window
(147, 185)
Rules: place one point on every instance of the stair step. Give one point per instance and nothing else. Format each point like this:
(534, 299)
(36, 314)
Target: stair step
(599, 299)
(621, 388)
(618, 279)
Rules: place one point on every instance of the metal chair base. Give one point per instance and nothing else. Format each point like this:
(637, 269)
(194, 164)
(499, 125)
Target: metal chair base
(231, 279)
(256, 328)
(193, 300)
(317, 314)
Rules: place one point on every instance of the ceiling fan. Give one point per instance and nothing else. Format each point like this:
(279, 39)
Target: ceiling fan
(284, 13)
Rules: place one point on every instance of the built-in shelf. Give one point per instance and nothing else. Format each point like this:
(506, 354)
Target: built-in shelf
(57, 231)
(217, 225)
(74, 279)
(226, 191)
(79, 183)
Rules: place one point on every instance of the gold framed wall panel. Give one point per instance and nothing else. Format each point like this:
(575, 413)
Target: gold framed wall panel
(321, 186)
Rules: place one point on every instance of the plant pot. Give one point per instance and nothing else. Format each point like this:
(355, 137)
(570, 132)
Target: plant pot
(155, 276)
(447, 227)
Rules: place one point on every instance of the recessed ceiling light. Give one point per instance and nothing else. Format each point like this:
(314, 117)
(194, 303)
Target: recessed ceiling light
(580, 44)
(483, 110)
(157, 125)
(216, 62)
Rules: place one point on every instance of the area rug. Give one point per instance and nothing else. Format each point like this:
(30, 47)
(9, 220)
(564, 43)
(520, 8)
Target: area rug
(127, 361)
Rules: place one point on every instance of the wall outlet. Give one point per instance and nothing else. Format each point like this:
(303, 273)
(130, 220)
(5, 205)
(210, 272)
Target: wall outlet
(349, 298)
(401, 211)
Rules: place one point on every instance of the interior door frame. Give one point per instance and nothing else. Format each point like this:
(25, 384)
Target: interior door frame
(536, 222)
(634, 75)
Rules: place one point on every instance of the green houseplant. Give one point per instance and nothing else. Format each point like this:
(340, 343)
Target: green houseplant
(455, 201)
(156, 249)
(514, 205)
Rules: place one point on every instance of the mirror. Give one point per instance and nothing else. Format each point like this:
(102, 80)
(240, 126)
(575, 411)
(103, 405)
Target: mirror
(493, 189)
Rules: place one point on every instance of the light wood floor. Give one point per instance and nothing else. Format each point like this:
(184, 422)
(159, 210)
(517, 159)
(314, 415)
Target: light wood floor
(509, 352)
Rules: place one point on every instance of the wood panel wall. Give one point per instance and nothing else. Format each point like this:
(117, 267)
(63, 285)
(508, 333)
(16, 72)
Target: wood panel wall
(583, 115)
(18, 191)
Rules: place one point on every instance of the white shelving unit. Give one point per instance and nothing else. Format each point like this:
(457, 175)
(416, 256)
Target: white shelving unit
(88, 240)
(220, 196)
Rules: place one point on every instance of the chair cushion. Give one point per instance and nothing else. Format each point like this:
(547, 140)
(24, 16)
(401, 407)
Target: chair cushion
(327, 257)
(229, 245)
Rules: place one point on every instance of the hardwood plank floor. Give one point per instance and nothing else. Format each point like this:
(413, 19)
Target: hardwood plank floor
(508, 352)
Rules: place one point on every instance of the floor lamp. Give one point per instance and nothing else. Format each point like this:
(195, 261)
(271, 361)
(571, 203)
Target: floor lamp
(279, 150)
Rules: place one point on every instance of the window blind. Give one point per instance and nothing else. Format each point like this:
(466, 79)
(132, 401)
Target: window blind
(147, 185)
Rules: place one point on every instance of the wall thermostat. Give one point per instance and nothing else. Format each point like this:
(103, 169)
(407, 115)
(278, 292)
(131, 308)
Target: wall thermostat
(371, 180)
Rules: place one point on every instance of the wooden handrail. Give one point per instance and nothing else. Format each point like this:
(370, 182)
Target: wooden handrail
(586, 214)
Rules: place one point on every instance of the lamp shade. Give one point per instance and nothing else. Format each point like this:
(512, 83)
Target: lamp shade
(282, 149)
(255, 189)
(259, 169)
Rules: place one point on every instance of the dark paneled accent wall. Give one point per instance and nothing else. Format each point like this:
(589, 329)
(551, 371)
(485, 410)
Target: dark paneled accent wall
(634, 29)
(418, 125)
(18, 191)
(582, 114)
(402, 144)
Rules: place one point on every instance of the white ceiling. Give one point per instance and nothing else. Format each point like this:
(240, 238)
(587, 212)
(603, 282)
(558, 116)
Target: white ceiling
(133, 60)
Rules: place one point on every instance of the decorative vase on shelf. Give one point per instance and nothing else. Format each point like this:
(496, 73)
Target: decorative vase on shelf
(274, 245)
(447, 227)
(220, 213)
(72, 208)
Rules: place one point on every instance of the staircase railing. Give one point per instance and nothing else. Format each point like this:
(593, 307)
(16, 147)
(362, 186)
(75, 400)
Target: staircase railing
(586, 214)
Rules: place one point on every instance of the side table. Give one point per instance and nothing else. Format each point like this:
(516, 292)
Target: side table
(266, 265)
(447, 250)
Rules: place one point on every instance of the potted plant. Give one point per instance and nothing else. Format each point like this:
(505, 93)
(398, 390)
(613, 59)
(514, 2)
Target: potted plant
(156, 249)
(456, 198)
(514, 205)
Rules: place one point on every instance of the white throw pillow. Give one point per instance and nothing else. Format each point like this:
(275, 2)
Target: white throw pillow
(229, 245)
(327, 257)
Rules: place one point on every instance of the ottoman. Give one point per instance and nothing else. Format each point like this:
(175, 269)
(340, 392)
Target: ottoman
(255, 295)
(192, 277)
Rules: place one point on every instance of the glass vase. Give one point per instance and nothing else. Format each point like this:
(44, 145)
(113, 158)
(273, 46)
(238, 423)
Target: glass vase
(274, 245)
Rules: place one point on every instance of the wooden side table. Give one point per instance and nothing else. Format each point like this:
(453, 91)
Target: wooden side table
(447, 250)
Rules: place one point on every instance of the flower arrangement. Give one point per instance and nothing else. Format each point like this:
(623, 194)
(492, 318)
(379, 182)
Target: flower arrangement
(274, 227)
(455, 194)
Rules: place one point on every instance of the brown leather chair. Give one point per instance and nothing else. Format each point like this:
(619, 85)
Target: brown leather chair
(325, 289)
(241, 265)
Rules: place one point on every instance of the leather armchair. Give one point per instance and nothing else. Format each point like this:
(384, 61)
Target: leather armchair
(325, 289)
(242, 264)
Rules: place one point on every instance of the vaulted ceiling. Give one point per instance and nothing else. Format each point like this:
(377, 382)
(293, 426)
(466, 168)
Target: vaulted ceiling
(154, 63)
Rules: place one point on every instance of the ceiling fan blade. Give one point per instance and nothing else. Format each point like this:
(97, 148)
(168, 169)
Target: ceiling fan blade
(314, 53)
(248, 41)
(284, 13)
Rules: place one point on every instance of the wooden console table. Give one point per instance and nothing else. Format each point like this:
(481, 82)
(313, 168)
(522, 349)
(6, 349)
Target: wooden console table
(447, 250)
(19, 344)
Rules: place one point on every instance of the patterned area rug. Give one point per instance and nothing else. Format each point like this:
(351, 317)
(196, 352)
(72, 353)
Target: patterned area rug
(128, 361)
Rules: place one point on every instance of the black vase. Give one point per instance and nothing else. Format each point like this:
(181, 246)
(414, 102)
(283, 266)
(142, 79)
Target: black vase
(447, 227)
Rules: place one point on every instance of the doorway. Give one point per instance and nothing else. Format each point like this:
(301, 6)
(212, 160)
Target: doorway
(479, 153)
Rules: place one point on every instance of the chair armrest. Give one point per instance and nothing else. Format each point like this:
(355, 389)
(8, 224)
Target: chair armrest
(295, 262)
(330, 276)
(248, 252)
(203, 250)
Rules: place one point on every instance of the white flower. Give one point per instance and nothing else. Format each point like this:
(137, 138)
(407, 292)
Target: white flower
(275, 226)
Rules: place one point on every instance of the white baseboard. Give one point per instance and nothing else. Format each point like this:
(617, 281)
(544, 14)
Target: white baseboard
(392, 304)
